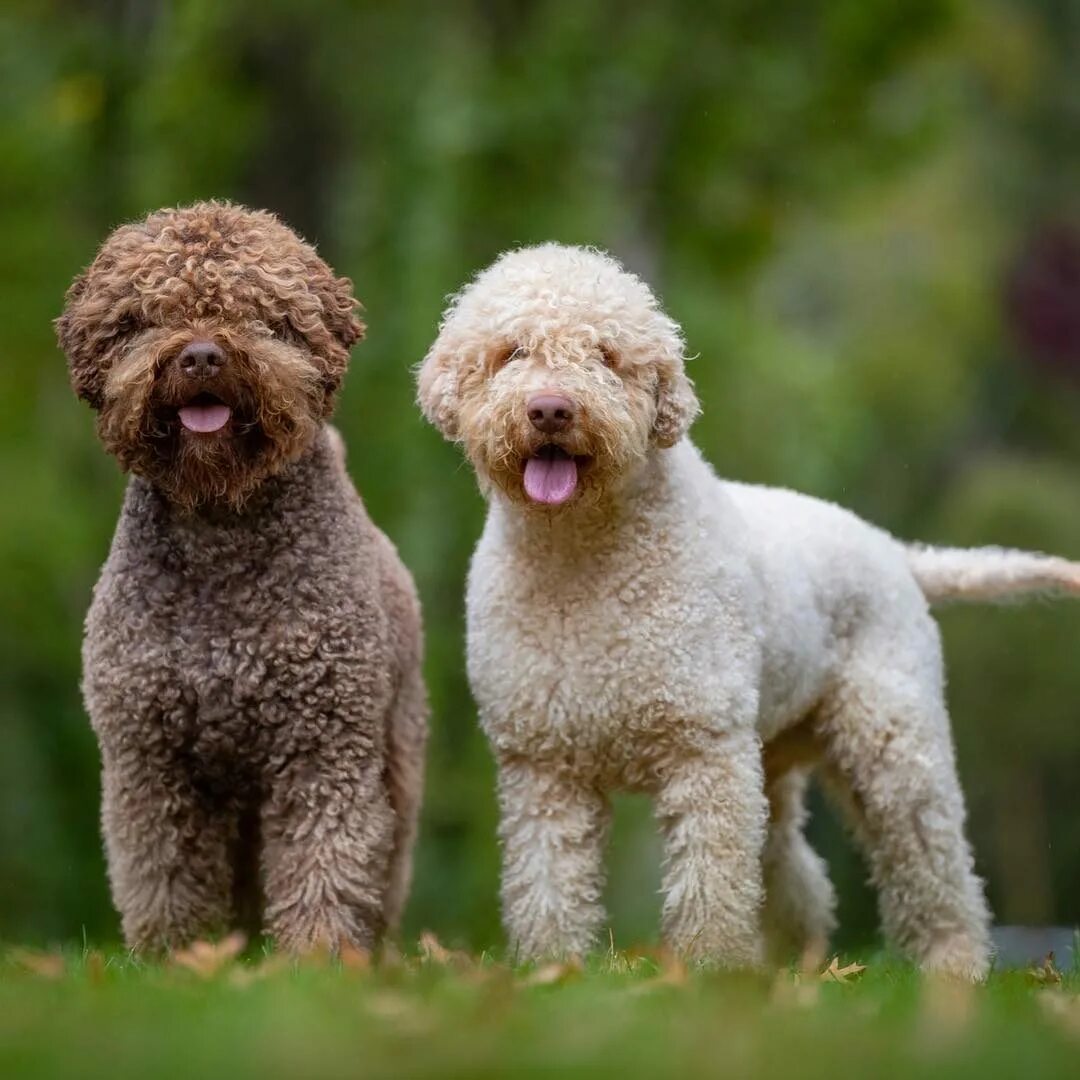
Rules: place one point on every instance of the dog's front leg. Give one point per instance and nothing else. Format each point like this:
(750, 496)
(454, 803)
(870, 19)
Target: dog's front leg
(167, 846)
(552, 828)
(328, 832)
(713, 812)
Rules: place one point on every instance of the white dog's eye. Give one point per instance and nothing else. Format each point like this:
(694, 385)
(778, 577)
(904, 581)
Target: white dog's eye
(506, 355)
(609, 356)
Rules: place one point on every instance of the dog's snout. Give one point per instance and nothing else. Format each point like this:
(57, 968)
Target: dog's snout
(550, 413)
(201, 359)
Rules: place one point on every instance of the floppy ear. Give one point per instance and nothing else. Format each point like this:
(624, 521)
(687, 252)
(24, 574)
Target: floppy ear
(343, 329)
(436, 389)
(83, 332)
(676, 404)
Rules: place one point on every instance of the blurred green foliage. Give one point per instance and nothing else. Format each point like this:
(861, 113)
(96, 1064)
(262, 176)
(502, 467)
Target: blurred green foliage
(828, 194)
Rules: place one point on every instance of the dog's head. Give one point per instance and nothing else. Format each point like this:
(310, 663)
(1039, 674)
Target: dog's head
(211, 341)
(558, 372)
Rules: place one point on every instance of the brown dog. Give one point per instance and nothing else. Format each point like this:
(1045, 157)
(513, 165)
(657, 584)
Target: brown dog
(252, 653)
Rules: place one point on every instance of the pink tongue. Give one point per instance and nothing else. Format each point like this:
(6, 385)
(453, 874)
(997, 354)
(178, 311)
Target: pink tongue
(204, 418)
(549, 480)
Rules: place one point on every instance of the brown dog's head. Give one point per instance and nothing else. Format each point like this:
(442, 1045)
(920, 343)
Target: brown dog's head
(558, 372)
(211, 341)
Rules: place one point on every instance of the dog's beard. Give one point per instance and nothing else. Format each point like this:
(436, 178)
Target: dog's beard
(547, 472)
(274, 408)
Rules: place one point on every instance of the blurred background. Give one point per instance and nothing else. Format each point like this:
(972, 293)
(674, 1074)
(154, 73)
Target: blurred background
(865, 213)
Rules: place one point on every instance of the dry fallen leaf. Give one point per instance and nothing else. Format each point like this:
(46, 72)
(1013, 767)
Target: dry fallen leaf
(1046, 973)
(553, 974)
(835, 973)
(207, 958)
(432, 951)
(46, 965)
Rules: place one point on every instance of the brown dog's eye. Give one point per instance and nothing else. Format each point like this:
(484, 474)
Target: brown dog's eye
(609, 356)
(285, 331)
(126, 326)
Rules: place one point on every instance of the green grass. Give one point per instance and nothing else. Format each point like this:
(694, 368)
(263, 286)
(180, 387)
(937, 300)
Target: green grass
(87, 1015)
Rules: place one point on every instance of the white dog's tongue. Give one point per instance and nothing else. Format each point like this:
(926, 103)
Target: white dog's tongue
(550, 476)
(205, 418)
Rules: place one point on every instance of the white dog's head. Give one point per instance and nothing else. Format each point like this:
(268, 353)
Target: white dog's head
(558, 372)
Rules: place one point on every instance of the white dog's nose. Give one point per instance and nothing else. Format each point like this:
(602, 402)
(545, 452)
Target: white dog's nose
(550, 413)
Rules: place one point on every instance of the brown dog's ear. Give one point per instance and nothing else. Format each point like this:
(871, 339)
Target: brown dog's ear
(343, 329)
(82, 335)
(676, 403)
(340, 306)
(436, 389)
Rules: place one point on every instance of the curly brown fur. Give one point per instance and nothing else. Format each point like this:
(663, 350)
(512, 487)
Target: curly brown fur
(240, 279)
(252, 652)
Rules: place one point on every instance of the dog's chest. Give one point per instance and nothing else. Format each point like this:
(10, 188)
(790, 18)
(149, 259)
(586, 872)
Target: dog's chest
(232, 669)
(231, 651)
(609, 666)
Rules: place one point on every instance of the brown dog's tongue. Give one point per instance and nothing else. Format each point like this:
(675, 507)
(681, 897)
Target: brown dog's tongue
(205, 418)
(550, 476)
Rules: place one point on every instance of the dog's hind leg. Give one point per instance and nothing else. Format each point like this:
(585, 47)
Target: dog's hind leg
(800, 903)
(405, 742)
(712, 810)
(889, 756)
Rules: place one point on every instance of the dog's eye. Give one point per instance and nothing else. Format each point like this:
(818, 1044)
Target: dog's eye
(126, 326)
(609, 356)
(285, 331)
(506, 355)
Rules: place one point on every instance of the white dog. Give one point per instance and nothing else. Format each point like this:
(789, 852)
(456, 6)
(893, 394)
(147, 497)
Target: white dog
(635, 622)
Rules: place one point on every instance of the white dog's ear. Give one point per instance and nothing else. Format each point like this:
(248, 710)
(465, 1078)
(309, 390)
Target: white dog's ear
(676, 404)
(436, 389)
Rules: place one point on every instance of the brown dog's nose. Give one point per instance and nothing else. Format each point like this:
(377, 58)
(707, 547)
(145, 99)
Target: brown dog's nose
(201, 359)
(550, 413)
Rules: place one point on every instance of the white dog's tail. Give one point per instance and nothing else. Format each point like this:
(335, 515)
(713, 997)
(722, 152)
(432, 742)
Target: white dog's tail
(990, 573)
